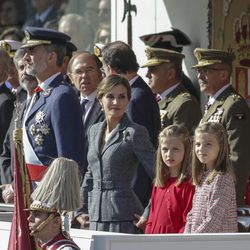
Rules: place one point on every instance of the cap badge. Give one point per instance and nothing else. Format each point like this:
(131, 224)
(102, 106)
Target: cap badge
(198, 55)
(148, 53)
(27, 35)
(6, 46)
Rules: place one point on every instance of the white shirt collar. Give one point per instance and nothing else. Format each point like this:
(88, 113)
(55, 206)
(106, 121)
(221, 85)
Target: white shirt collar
(45, 84)
(44, 15)
(169, 90)
(212, 98)
(133, 80)
(90, 97)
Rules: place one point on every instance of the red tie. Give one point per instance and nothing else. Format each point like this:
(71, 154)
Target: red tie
(38, 89)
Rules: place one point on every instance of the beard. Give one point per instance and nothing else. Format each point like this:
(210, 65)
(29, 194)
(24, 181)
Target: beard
(35, 69)
(31, 71)
(29, 84)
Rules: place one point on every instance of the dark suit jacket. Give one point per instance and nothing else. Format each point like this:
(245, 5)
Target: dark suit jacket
(107, 188)
(54, 124)
(231, 110)
(7, 156)
(143, 109)
(31, 21)
(6, 109)
(95, 115)
(21, 95)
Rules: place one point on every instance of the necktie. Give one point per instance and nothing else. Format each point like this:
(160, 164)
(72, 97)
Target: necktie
(37, 93)
(83, 103)
(207, 106)
(38, 22)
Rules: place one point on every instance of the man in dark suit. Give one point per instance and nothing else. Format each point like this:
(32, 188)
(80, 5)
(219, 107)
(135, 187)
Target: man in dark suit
(119, 58)
(174, 40)
(28, 83)
(6, 97)
(45, 11)
(11, 46)
(84, 70)
(53, 122)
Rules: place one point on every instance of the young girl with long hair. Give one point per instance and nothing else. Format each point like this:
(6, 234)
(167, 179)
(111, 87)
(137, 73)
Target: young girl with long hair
(214, 202)
(172, 193)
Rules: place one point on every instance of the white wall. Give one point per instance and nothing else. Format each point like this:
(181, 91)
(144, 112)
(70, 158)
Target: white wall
(190, 16)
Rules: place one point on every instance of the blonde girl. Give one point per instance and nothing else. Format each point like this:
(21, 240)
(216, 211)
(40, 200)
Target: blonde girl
(172, 193)
(214, 203)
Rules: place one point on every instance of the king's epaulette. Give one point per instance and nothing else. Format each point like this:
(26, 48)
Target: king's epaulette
(235, 97)
(185, 94)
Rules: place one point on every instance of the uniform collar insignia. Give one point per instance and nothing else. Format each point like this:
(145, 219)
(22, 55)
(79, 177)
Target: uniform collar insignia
(47, 92)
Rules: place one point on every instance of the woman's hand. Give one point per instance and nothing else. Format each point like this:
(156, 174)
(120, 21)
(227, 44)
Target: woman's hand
(83, 219)
(140, 221)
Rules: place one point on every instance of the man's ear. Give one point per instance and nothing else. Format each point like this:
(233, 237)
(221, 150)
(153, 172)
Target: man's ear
(52, 56)
(57, 220)
(111, 71)
(70, 77)
(171, 73)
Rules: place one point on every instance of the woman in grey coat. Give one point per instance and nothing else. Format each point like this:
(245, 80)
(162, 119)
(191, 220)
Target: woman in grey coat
(116, 147)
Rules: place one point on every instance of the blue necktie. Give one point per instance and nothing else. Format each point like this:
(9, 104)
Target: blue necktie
(83, 103)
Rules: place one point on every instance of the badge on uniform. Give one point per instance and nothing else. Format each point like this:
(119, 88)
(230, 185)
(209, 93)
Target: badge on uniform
(39, 128)
(216, 117)
(239, 116)
(47, 92)
(163, 115)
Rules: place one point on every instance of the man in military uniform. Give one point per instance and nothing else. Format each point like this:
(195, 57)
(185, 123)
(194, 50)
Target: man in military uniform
(28, 83)
(174, 40)
(176, 104)
(53, 123)
(46, 225)
(226, 106)
(56, 195)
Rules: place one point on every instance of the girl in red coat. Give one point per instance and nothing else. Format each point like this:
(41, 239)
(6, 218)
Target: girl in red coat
(172, 193)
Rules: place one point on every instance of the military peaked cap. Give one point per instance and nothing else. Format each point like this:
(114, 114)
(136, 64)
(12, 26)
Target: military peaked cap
(11, 46)
(41, 36)
(157, 56)
(206, 57)
(173, 40)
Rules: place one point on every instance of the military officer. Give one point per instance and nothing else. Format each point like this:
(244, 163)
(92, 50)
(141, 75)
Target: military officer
(175, 40)
(225, 105)
(53, 121)
(176, 104)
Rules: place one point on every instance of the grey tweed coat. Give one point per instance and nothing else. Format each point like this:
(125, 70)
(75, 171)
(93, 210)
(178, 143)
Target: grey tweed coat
(108, 195)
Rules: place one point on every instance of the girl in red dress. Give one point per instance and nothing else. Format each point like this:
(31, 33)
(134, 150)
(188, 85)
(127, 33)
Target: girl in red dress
(172, 193)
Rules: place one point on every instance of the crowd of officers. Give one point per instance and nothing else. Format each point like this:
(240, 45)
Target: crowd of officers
(53, 96)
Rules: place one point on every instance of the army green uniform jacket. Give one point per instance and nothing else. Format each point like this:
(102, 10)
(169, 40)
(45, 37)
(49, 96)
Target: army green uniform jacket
(232, 111)
(180, 107)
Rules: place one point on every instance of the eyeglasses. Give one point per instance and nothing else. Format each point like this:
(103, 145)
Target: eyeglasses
(204, 71)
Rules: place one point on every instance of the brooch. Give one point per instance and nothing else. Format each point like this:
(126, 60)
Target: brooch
(125, 134)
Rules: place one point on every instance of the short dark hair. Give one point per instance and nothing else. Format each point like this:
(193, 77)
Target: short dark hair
(77, 54)
(60, 51)
(119, 56)
(110, 82)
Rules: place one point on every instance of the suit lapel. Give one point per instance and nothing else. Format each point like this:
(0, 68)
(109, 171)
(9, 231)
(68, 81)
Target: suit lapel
(171, 96)
(94, 114)
(114, 137)
(43, 95)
